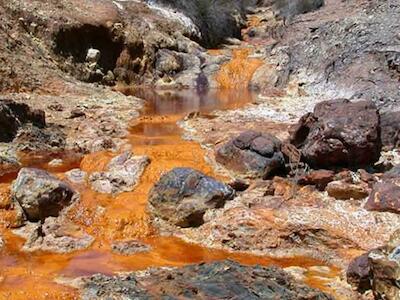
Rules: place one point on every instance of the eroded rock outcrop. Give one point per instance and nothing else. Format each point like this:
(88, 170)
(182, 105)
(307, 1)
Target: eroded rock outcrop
(183, 195)
(339, 133)
(40, 194)
(14, 115)
(252, 154)
(218, 280)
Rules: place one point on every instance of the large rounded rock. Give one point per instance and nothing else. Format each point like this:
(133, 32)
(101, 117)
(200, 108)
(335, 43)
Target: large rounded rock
(252, 154)
(40, 194)
(183, 195)
(339, 133)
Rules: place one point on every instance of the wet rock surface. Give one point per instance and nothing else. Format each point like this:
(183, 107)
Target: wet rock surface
(339, 133)
(122, 174)
(252, 154)
(183, 195)
(220, 280)
(40, 194)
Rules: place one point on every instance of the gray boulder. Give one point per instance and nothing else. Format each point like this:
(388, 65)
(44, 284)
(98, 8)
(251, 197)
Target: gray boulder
(122, 174)
(183, 195)
(40, 194)
(252, 154)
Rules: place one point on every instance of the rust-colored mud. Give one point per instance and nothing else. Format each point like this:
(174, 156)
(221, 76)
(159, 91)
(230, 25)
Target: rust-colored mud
(123, 217)
(237, 73)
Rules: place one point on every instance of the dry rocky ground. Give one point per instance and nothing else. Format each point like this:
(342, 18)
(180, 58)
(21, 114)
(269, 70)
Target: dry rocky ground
(308, 169)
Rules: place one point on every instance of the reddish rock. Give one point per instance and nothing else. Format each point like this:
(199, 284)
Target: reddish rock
(390, 130)
(385, 196)
(359, 273)
(319, 178)
(339, 133)
(344, 191)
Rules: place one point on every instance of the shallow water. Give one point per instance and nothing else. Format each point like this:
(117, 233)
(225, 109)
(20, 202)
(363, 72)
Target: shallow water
(157, 135)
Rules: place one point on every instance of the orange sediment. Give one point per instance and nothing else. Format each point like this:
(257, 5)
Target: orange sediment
(122, 217)
(238, 72)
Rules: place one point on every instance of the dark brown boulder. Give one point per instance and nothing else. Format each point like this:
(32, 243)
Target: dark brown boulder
(252, 154)
(385, 195)
(339, 133)
(359, 273)
(390, 130)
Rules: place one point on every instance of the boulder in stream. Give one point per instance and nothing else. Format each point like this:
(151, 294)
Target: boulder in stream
(183, 195)
(252, 154)
(40, 194)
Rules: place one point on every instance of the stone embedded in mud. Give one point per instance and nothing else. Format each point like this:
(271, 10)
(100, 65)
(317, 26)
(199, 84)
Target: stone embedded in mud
(252, 154)
(183, 195)
(1, 242)
(129, 247)
(339, 133)
(40, 194)
(344, 191)
(122, 174)
(217, 280)
(13, 115)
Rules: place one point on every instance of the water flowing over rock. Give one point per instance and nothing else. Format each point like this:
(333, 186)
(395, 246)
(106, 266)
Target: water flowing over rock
(252, 154)
(122, 174)
(40, 194)
(183, 195)
(218, 280)
(339, 133)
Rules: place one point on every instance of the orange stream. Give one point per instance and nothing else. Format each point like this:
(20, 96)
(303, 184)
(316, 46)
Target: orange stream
(156, 134)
